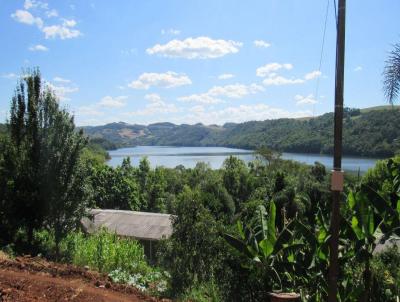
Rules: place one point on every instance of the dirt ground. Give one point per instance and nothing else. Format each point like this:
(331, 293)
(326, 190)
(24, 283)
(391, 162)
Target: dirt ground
(27, 279)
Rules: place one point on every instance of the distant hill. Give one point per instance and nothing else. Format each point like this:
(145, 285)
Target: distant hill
(367, 132)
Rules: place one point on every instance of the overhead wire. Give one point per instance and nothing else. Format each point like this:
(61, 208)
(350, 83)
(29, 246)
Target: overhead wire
(321, 53)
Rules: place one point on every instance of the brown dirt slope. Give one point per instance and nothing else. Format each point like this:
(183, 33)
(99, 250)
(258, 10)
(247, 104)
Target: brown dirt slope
(27, 279)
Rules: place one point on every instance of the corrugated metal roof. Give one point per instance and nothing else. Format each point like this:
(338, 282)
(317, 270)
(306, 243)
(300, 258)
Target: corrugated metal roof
(139, 225)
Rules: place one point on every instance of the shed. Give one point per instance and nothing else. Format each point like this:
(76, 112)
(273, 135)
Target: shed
(143, 226)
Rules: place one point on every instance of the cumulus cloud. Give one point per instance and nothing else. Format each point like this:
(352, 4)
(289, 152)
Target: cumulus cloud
(169, 79)
(305, 100)
(10, 75)
(214, 94)
(61, 80)
(195, 48)
(156, 105)
(240, 114)
(33, 4)
(38, 47)
(203, 98)
(51, 13)
(235, 90)
(267, 69)
(62, 91)
(279, 80)
(23, 16)
(312, 75)
(261, 44)
(197, 109)
(89, 111)
(225, 76)
(63, 31)
(358, 68)
(113, 102)
(28, 4)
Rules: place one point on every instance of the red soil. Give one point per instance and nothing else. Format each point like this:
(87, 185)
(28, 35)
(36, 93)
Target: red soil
(27, 279)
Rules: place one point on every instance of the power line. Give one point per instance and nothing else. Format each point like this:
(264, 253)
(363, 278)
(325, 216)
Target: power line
(336, 18)
(322, 53)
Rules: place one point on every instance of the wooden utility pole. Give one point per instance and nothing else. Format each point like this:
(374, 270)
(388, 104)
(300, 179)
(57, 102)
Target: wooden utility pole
(337, 173)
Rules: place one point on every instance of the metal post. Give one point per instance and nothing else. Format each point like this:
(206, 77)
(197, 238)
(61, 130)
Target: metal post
(337, 175)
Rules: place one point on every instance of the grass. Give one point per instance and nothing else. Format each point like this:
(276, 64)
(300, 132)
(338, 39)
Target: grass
(123, 259)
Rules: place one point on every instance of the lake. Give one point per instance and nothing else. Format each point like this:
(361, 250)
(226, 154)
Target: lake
(189, 156)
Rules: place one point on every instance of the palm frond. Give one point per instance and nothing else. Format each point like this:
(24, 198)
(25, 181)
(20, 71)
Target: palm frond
(391, 75)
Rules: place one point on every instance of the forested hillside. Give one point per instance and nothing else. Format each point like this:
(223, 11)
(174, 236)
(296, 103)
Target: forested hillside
(367, 132)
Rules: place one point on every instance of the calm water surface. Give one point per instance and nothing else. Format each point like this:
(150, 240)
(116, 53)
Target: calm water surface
(189, 156)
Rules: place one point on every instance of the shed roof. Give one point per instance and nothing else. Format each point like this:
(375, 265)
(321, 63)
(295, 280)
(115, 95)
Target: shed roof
(138, 225)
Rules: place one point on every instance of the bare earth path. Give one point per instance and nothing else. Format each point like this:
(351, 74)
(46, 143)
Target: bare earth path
(33, 279)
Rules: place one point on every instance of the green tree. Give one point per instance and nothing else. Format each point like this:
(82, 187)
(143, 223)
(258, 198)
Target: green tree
(192, 254)
(236, 179)
(43, 180)
(114, 189)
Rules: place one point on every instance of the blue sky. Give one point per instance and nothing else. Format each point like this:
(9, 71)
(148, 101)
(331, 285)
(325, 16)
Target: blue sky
(195, 61)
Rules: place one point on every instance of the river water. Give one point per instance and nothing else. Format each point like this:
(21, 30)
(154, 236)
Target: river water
(189, 156)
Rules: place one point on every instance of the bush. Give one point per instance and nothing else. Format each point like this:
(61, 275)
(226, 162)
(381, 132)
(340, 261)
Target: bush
(386, 272)
(203, 292)
(123, 259)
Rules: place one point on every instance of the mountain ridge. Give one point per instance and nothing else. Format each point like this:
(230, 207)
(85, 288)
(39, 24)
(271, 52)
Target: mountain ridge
(367, 132)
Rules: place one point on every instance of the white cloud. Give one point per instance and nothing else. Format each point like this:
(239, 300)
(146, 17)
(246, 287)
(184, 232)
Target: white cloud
(279, 80)
(38, 47)
(62, 91)
(225, 76)
(156, 105)
(170, 31)
(203, 98)
(312, 75)
(63, 31)
(195, 48)
(267, 69)
(214, 94)
(305, 100)
(240, 114)
(26, 17)
(113, 102)
(10, 75)
(61, 80)
(197, 109)
(358, 68)
(88, 111)
(261, 43)
(51, 13)
(235, 90)
(167, 80)
(28, 4)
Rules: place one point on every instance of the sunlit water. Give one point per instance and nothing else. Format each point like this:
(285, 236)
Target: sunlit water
(189, 156)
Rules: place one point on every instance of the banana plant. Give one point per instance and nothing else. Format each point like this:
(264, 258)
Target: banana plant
(373, 221)
(261, 243)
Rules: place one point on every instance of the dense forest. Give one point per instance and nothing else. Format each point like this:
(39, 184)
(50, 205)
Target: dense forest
(367, 132)
(239, 232)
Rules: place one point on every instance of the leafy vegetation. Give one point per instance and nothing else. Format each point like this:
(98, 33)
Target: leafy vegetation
(41, 175)
(366, 133)
(238, 232)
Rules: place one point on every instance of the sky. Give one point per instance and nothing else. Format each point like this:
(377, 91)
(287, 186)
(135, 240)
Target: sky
(208, 61)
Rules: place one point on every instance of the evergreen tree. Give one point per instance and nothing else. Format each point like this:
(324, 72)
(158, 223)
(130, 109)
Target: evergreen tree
(42, 179)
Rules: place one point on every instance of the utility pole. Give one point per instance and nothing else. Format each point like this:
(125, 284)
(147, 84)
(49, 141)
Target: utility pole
(337, 173)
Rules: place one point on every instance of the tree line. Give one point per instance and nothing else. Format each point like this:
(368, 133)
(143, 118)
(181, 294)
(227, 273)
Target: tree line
(238, 232)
